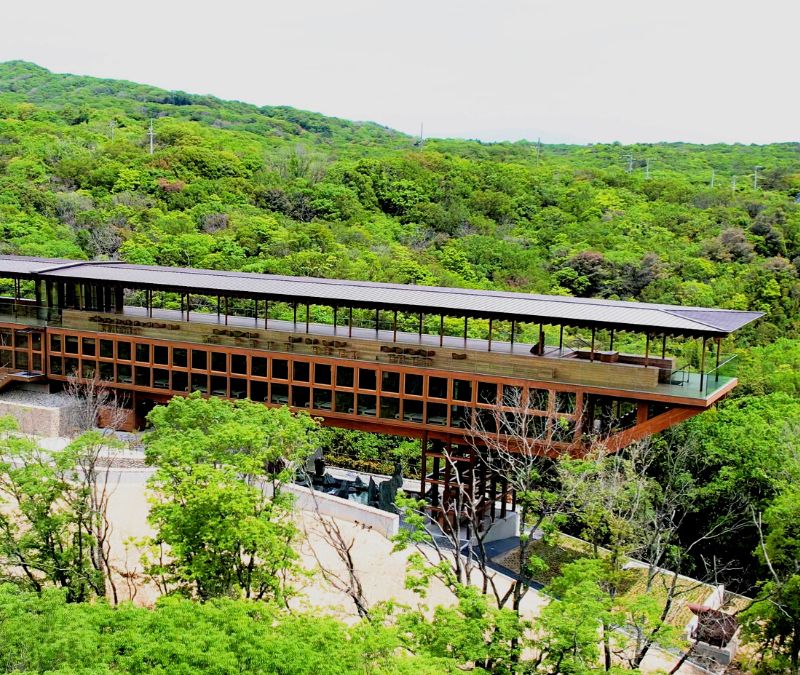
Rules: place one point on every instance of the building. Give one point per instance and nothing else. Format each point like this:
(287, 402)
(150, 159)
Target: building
(388, 358)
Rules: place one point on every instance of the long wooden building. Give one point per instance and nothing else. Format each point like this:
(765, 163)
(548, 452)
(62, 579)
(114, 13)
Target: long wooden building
(389, 358)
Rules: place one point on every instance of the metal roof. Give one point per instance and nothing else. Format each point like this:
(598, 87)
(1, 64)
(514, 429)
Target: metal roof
(558, 310)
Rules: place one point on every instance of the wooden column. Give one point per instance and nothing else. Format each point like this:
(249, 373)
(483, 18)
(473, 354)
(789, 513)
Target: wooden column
(664, 346)
(441, 330)
(647, 351)
(490, 334)
(591, 354)
(266, 313)
(611, 345)
(560, 340)
(350, 322)
(377, 320)
(335, 318)
(420, 327)
(513, 328)
(227, 308)
(394, 326)
(465, 331)
(308, 315)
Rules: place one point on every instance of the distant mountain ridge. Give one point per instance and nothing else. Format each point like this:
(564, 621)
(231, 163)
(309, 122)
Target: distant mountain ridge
(40, 86)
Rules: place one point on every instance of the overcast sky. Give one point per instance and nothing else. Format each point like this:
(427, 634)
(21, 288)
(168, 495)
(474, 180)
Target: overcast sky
(563, 70)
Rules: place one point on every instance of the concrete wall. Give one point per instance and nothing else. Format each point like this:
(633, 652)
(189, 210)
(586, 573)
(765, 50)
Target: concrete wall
(388, 524)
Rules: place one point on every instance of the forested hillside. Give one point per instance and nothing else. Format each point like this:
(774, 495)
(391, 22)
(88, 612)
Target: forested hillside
(273, 189)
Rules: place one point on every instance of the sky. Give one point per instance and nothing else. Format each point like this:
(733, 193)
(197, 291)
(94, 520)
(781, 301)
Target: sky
(570, 71)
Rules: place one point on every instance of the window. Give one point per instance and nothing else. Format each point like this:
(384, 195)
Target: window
(143, 353)
(512, 396)
(437, 387)
(460, 417)
(259, 366)
(390, 408)
(366, 405)
(563, 430)
(486, 420)
(280, 370)
(36, 342)
(88, 369)
(280, 393)
(322, 399)
(322, 373)
(179, 357)
(565, 402)
(239, 364)
(200, 382)
(462, 390)
(437, 413)
(219, 385)
(199, 359)
(56, 365)
(258, 391)
(88, 346)
(124, 351)
(180, 381)
(238, 388)
(21, 360)
(487, 392)
(21, 340)
(161, 355)
(160, 378)
(344, 402)
(124, 373)
(367, 379)
(106, 371)
(538, 399)
(5, 358)
(70, 344)
(412, 411)
(390, 382)
(142, 376)
(301, 371)
(344, 376)
(107, 349)
(71, 367)
(219, 362)
(413, 385)
(55, 343)
(301, 397)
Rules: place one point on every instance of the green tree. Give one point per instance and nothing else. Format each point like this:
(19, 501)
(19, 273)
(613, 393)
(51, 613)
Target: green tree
(223, 522)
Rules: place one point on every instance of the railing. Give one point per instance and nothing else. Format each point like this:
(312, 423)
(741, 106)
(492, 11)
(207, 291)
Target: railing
(718, 376)
(27, 313)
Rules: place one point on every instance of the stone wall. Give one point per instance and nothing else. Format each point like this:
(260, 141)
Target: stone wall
(36, 413)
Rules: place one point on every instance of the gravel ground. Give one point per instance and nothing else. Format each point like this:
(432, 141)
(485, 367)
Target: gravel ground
(43, 399)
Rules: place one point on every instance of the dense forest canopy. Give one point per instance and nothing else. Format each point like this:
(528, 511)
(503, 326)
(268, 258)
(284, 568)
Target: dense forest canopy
(273, 189)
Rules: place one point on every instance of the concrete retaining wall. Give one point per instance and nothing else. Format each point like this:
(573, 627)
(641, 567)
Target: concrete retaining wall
(388, 524)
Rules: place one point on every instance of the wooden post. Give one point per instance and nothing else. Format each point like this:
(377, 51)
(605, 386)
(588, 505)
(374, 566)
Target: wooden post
(591, 355)
(219, 309)
(611, 345)
(335, 315)
(664, 346)
(420, 327)
(266, 313)
(465, 331)
(647, 351)
(513, 329)
(294, 314)
(541, 340)
(255, 313)
(377, 320)
(490, 334)
(226, 310)
(561, 340)
(441, 330)
(308, 314)
(188, 305)
(394, 326)
(350, 321)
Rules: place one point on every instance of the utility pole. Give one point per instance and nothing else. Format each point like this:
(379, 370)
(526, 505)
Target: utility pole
(630, 162)
(151, 135)
(712, 179)
(755, 177)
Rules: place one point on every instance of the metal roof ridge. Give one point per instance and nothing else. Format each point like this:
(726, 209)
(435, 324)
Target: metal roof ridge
(76, 263)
